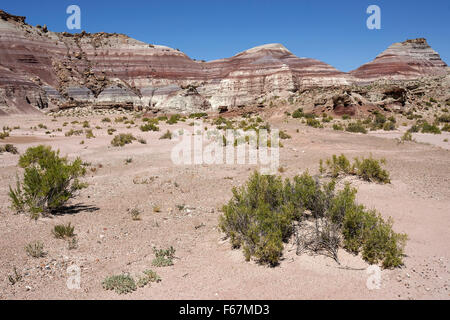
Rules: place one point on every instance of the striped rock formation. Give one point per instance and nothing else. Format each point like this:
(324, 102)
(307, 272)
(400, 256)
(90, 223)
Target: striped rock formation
(44, 70)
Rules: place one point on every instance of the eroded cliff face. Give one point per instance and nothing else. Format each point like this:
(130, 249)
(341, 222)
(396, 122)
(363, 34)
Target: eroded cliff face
(43, 70)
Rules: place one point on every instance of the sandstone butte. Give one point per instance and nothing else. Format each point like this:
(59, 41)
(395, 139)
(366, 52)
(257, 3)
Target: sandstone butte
(42, 70)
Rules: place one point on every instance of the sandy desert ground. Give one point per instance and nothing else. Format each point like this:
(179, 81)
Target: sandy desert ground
(110, 242)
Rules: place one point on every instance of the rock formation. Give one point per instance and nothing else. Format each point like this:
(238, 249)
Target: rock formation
(44, 70)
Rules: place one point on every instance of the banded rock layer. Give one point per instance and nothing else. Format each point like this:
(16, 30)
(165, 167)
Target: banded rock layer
(40, 69)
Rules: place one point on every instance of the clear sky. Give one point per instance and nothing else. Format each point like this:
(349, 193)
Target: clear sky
(332, 31)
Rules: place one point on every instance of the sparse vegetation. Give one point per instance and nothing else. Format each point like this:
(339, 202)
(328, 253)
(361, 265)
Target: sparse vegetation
(35, 249)
(356, 127)
(62, 231)
(266, 212)
(121, 284)
(122, 139)
(368, 169)
(163, 257)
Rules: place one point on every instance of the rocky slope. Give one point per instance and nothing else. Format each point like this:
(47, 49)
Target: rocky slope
(43, 70)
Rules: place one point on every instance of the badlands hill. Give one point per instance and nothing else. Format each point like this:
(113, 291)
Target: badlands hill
(42, 70)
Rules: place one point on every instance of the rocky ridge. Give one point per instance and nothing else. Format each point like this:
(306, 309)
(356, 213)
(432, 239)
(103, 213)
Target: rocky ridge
(48, 71)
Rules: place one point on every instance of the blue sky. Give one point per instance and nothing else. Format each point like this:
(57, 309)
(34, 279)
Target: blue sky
(332, 31)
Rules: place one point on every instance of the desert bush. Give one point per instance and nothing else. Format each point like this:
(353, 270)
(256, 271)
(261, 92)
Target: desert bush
(430, 128)
(4, 134)
(9, 148)
(111, 131)
(89, 134)
(389, 126)
(337, 165)
(346, 117)
(257, 220)
(49, 181)
(121, 284)
(298, 113)
(366, 231)
(35, 249)
(198, 115)
(407, 136)
(368, 169)
(163, 257)
(106, 119)
(86, 124)
(446, 128)
(356, 127)
(122, 139)
(263, 214)
(313, 123)
(149, 127)
(62, 231)
(72, 132)
(284, 135)
(338, 127)
(174, 119)
(167, 135)
(149, 276)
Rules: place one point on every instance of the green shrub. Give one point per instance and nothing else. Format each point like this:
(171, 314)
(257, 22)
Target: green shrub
(407, 136)
(49, 181)
(257, 219)
(122, 139)
(389, 126)
(198, 115)
(121, 284)
(35, 249)
(89, 134)
(366, 231)
(149, 127)
(370, 169)
(430, 128)
(446, 128)
(346, 117)
(72, 132)
(284, 135)
(163, 257)
(261, 217)
(313, 123)
(444, 118)
(106, 120)
(111, 131)
(414, 128)
(356, 127)
(338, 165)
(62, 231)
(86, 124)
(149, 276)
(338, 127)
(298, 113)
(173, 119)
